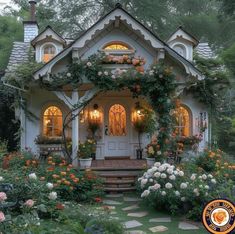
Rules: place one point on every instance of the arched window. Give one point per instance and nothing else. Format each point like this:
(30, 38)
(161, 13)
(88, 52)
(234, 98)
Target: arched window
(180, 49)
(183, 121)
(117, 120)
(49, 52)
(116, 46)
(52, 122)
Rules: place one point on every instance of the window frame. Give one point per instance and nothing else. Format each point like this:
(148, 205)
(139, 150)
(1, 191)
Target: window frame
(190, 121)
(42, 120)
(43, 48)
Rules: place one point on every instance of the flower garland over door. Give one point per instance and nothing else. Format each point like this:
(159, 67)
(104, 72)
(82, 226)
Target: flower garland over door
(157, 84)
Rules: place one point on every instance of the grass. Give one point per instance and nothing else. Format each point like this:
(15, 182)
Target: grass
(152, 213)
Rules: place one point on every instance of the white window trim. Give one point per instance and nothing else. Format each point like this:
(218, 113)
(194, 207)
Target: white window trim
(42, 49)
(183, 45)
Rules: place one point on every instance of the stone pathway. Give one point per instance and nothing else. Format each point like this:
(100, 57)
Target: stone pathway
(138, 219)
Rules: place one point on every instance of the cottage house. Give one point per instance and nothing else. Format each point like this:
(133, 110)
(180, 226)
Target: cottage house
(116, 34)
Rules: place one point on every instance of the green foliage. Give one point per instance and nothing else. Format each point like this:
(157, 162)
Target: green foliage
(229, 58)
(86, 149)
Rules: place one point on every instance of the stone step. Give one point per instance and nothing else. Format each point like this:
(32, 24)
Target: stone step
(118, 181)
(122, 189)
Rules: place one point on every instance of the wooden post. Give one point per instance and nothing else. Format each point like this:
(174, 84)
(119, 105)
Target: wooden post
(75, 129)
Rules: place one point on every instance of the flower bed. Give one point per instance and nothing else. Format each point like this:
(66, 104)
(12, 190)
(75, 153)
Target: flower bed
(42, 189)
(173, 189)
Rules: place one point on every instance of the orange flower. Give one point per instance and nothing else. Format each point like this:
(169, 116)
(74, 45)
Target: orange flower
(42, 178)
(49, 158)
(63, 173)
(55, 176)
(72, 176)
(28, 162)
(50, 169)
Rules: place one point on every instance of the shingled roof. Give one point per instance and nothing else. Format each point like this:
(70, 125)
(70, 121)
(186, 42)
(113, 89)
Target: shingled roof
(204, 50)
(19, 54)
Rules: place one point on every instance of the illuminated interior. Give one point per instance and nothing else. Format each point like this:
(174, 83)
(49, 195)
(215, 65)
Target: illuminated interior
(49, 52)
(116, 46)
(52, 122)
(182, 117)
(117, 120)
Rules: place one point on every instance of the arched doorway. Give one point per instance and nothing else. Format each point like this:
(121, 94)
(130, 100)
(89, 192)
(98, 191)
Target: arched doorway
(117, 122)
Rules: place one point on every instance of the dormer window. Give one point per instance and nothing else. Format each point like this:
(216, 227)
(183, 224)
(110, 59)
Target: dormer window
(118, 48)
(49, 52)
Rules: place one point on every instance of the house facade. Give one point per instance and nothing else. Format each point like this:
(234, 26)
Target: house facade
(117, 34)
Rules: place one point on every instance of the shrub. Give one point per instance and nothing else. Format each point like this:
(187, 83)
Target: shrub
(169, 188)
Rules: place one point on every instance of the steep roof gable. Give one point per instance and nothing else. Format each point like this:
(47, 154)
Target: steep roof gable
(118, 13)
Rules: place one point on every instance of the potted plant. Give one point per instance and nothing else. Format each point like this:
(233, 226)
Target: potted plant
(143, 122)
(85, 153)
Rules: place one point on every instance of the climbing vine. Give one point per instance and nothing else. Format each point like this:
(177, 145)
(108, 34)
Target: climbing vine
(157, 84)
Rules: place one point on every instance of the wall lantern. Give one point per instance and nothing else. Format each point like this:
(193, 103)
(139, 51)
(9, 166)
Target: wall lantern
(95, 115)
(138, 113)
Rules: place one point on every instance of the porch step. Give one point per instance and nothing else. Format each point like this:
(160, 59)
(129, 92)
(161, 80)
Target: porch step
(119, 181)
(118, 190)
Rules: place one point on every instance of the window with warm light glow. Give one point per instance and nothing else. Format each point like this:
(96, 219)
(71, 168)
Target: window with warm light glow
(183, 122)
(117, 120)
(49, 52)
(116, 46)
(52, 122)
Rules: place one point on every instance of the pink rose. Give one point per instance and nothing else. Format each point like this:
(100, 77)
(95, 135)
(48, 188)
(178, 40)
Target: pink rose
(3, 196)
(29, 203)
(2, 217)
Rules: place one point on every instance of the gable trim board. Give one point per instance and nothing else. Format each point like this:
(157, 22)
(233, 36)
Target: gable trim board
(120, 13)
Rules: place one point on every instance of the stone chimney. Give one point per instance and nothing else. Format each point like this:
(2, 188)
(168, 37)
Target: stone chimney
(31, 25)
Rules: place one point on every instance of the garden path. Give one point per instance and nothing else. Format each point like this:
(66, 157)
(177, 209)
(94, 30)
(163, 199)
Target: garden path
(138, 218)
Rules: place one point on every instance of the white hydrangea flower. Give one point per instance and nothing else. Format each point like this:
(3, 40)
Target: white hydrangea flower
(49, 185)
(168, 185)
(181, 173)
(69, 74)
(89, 64)
(32, 176)
(1, 178)
(113, 77)
(172, 177)
(151, 72)
(183, 185)
(183, 199)
(193, 177)
(163, 193)
(52, 195)
(210, 176)
(157, 164)
(169, 171)
(159, 152)
(100, 73)
(200, 186)
(206, 194)
(157, 174)
(200, 177)
(204, 176)
(207, 187)
(195, 190)
(176, 172)
(163, 175)
(154, 169)
(162, 168)
(106, 73)
(143, 182)
(213, 181)
(151, 180)
(145, 193)
(177, 193)
(157, 186)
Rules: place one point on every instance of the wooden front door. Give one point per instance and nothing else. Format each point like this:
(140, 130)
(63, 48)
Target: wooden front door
(117, 122)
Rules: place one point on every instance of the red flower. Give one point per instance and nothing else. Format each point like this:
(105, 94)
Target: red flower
(59, 206)
(98, 199)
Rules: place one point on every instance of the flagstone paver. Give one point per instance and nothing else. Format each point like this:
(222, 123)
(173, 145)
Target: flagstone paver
(111, 202)
(135, 232)
(187, 226)
(160, 220)
(132, 224)
(138, 214)
(134, 207)
(115, 195)
(158, 229)
(131, 199)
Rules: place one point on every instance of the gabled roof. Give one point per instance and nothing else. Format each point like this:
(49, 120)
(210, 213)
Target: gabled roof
(47, 29)
(118, 11)
(19, 54)
(182, 33)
